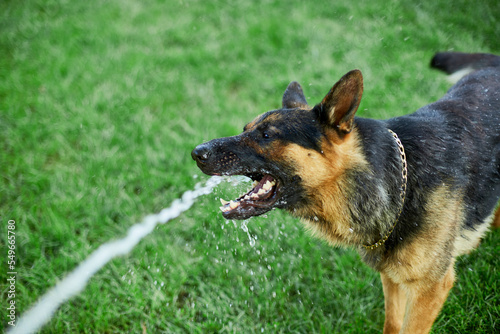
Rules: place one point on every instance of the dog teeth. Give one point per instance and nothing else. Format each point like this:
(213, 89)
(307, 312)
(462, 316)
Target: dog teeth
(231, 205)
(268, 185)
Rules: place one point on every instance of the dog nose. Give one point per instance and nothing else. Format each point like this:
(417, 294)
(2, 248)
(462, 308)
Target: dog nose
(201, 153)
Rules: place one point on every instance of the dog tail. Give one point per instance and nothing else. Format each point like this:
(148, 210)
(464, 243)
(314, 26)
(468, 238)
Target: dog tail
(458, 64)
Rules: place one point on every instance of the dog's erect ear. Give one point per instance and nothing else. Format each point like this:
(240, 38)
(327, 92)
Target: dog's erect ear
(340, 104)
(294, 97)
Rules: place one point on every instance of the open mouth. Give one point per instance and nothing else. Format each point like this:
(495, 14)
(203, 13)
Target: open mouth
(260, 199)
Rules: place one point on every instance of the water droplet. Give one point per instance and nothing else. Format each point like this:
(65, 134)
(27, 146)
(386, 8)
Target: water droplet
(244, 227)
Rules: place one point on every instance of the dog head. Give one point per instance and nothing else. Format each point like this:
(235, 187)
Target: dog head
(291, 152)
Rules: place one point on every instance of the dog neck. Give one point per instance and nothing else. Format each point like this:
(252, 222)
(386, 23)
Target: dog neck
(361, 205)
(404, 180)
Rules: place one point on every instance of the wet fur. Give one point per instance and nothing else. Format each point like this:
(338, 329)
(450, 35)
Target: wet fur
(342, 175)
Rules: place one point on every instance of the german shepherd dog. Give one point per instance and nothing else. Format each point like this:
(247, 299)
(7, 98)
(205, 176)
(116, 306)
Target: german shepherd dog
(410, 193)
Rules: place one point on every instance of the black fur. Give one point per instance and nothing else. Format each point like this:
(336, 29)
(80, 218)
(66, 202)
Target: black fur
(296, 126)
(343, 176)
(451, 62)
(454, 141)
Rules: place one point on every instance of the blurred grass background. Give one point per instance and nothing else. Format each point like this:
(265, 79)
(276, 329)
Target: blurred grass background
(101, 103)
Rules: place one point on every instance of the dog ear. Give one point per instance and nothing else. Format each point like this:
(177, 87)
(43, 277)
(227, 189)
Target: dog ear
(294, 97)
(340, 104)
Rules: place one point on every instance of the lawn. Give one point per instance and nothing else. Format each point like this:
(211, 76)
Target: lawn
(101, 103)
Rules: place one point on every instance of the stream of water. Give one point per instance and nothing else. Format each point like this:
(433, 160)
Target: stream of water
(42, 311)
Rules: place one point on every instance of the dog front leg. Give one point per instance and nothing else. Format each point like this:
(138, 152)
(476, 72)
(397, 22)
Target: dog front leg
(424, 303)
(395, 301)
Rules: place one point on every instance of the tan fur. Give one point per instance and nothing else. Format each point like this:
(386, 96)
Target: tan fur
(344, 201)
(425, 302)
(425, 282)
(413, 308)
(395, 303)
(323, 177)
(469, 240)
(410, 264)
(251, 126)
(257, 120)
(496, 220)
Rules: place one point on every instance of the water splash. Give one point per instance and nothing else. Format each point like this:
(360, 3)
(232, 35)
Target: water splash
(244, 227)
(32, 320)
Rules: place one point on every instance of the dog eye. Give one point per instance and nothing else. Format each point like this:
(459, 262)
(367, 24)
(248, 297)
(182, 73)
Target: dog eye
(266, 135)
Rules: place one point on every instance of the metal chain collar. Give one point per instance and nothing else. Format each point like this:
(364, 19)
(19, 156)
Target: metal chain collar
(404, 176)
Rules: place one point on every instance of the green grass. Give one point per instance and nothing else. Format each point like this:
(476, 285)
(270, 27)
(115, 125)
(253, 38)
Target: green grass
(101, 103)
